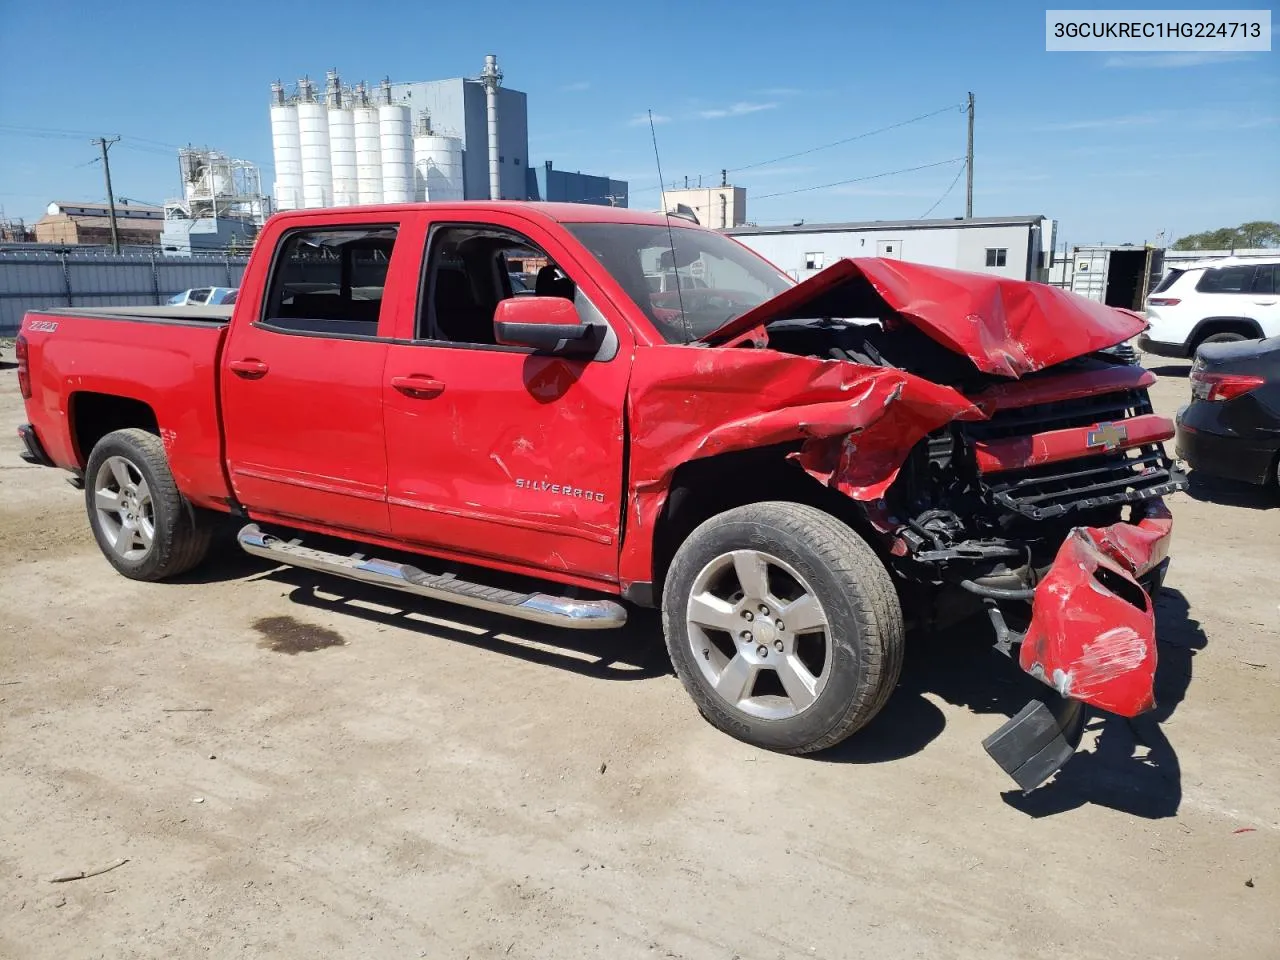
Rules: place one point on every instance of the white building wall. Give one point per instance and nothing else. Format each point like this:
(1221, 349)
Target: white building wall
(802, 254)
(715, 207)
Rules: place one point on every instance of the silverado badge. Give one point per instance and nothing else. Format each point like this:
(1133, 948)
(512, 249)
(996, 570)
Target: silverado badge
(1108, 436)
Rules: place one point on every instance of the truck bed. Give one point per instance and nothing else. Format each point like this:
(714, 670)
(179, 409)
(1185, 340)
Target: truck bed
(91, 359)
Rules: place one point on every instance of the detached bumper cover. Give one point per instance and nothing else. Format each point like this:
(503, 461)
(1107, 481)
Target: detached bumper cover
(1092, 637)
(1092, 634)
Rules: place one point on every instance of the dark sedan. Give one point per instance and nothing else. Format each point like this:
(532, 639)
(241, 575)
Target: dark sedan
(1231, 428)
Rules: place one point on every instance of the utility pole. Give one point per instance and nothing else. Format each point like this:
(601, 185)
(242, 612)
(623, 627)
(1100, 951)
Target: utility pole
(968, 166)
(105, 143)
(724, 178)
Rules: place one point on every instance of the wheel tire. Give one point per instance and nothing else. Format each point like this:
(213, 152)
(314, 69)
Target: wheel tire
(863, 633)
(180, 534)
(1220, 338)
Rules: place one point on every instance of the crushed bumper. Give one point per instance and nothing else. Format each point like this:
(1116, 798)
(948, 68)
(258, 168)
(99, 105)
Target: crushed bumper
(1091, 638)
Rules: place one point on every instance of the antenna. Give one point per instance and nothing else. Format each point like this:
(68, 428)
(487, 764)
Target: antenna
(671, 237)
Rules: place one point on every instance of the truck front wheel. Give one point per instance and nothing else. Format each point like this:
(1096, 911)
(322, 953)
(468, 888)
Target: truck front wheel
(783, 625)
(143, 524)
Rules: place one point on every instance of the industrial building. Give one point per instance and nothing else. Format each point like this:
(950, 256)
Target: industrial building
(717, 207)
(458, 108)
(1014, 247)
(463, 138)
(81, 223)
(546, 183)
(221, 207)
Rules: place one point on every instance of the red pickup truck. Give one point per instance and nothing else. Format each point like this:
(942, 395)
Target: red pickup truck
(665, 420)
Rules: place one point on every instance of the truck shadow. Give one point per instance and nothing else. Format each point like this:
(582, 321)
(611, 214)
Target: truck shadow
(1132, 768)
(634, 652)
(1231, 493)
(1127, 765)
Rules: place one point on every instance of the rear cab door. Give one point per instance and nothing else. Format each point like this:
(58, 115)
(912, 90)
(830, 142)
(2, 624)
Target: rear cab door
(494, 451)
(302, 372)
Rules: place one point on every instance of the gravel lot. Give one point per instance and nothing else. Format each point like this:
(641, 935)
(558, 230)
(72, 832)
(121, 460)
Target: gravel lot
(296, 766)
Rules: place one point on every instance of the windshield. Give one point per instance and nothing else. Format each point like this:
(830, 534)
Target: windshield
(709, 280)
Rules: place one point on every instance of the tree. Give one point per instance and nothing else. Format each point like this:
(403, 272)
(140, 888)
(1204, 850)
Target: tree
(1256, 233)
(1260, 233)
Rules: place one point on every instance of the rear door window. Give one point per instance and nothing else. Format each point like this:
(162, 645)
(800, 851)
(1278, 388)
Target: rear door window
(1226, 280)
(330, 281)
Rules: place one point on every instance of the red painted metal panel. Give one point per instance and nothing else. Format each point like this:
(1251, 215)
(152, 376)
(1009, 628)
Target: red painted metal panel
(1087, 640)
(304, 438)
(170, 367)
(1055, 445)
(1006, 327)
(1067, 386)
(514, 457)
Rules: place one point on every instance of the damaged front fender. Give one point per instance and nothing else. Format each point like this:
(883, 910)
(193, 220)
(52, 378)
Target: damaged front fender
(1092, 632)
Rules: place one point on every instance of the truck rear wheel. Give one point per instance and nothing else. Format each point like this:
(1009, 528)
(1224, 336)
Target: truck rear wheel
(783, 625)
(144, 526)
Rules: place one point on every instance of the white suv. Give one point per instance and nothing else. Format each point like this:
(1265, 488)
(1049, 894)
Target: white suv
(1212, 301)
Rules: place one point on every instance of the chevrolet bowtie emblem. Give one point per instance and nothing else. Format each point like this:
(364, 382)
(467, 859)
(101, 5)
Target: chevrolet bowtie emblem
(1108, 436)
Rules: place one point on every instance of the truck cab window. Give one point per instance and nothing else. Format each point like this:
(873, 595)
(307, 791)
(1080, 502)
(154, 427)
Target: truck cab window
(330, 281)
(470, 269)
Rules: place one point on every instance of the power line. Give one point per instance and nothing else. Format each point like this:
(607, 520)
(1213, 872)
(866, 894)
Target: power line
(873, 176)
(858, 136)
(945, 192)
(834, 143)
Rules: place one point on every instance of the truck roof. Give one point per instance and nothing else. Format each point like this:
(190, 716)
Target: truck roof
(555, 212)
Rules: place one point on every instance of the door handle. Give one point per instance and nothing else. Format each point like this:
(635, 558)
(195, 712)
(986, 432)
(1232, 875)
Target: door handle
(249, 369)
(418, 387)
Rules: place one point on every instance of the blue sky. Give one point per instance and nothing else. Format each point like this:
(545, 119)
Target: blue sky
(1116, 146)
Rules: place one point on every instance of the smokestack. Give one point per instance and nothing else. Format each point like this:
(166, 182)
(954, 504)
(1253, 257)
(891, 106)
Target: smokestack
(491, 78)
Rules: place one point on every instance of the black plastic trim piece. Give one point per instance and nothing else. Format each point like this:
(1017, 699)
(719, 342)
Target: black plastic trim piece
(1033, 745)
(641, 594)
(210, 324)
(33, 451)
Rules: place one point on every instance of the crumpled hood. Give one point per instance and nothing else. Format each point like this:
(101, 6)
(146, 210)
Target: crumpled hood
(1006, 327)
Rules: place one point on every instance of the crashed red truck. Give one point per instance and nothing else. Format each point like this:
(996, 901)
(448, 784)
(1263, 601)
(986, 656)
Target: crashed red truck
(785, 470)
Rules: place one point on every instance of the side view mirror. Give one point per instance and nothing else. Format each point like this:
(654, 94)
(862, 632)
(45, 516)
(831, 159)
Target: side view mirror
(548, 324)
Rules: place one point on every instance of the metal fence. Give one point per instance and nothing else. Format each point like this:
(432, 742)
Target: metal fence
(30, 280)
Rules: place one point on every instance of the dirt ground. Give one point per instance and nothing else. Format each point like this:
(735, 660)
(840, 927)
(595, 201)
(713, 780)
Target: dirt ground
(294, 766)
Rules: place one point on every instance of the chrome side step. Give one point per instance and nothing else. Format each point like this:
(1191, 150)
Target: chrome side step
(538, 607)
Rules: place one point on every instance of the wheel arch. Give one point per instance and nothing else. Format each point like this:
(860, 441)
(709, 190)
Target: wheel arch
(93, 415)
(1211, 325)
(704, 487)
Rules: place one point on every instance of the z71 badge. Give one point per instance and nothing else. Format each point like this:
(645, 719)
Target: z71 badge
(42, 326)
(560, 489)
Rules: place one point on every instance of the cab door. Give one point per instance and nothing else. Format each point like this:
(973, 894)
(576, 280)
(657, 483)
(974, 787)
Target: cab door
(492, 451)
(302, 377)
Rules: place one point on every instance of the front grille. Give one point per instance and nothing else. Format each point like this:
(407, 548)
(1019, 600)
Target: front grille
(1096, 480)
(1059, 415)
